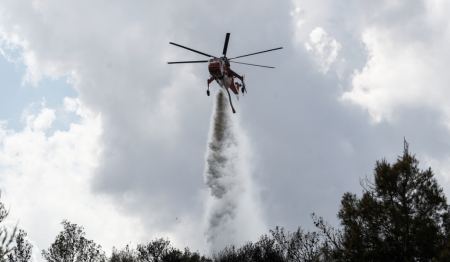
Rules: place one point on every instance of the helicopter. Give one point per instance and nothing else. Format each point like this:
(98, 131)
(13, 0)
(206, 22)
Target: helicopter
(220, 70)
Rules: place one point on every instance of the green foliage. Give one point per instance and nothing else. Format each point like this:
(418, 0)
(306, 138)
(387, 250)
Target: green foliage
(266, 249)
(124, 255)
(298, 245)
(71, 245)
(158, 250)
(402, 216)
(22, 250)
(155, 250)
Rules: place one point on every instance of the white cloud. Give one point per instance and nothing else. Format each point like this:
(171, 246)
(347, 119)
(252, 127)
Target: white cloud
(298, 19)
(324, 48)
(155, 117)
(401, 72)
(42, 121)
(113, 57)
(46, 178)
(407, 58)
(394, 76)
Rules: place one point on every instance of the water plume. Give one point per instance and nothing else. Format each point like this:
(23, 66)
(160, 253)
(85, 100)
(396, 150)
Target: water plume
(233, 216)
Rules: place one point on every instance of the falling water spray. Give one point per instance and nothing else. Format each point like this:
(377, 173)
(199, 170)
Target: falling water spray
(233, 215)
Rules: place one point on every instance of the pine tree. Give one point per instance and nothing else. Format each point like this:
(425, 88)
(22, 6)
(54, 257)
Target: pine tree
(401, 216)
(71, 245)
(21, 252)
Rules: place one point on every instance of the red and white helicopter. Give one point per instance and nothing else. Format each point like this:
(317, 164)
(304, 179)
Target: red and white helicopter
(219, 69)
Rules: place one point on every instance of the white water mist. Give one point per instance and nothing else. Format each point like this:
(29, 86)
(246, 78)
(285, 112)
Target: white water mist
(233, 215)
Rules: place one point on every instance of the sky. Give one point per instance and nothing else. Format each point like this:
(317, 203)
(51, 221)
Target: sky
(96, 128)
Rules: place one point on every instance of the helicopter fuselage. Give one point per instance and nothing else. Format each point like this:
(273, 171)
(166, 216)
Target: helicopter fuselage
(219, 68)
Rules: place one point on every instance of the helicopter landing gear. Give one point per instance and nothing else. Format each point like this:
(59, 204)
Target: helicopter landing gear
(231, 103)
(207, 84)
(242, 86)
(243, 89)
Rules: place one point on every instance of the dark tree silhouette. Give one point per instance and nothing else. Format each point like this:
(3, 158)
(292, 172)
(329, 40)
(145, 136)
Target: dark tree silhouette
(265, 249)
(124, 255)
(160, 250)
(21, 252)
(305, 246)
(401, 216)
(71, 245)
(154, 250)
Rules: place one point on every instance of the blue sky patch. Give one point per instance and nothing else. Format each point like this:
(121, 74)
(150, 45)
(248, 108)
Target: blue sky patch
(16, 96)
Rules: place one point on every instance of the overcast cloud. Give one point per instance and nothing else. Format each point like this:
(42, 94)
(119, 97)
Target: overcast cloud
(353, 79)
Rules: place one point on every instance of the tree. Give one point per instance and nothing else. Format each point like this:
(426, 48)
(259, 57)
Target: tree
(22, 250)
(124, 255)
(160, 250)
(6, 237)
(265, 249)
(71, 245)
(298, 245)
(154, 251)
(308, 246)
(402, 216)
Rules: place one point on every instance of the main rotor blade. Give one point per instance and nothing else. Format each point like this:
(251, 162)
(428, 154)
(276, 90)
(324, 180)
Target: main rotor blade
(189, 62)
(190, 49)
(257, 53)
(225, 45)
(251, 64)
